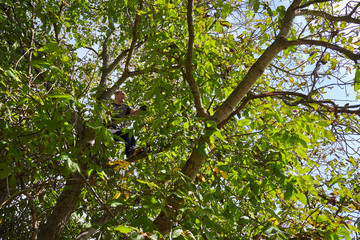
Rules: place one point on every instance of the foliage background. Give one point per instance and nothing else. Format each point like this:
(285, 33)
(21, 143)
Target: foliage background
(247, 139)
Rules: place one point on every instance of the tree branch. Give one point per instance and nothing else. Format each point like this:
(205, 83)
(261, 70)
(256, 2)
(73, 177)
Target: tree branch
(63, 209)
(134, 37)
(107, 93)
(87, 233)
(196, 159)
(7, 201)
(189, 77)
(330, 106)
(258, 67)
(328, 16)
(97, 197)
(346, 52)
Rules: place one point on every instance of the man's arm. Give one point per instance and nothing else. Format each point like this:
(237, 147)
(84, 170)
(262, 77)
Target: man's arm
(134, 112)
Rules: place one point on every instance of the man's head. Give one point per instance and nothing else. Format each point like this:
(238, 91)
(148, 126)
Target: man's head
(120, 97)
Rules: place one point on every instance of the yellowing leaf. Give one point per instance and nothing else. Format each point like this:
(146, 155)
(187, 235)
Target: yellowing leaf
(203, 179)
(291, 80)
(127, 195)
(117, 195)
(176, 169)
(119, 164)
(224, 175)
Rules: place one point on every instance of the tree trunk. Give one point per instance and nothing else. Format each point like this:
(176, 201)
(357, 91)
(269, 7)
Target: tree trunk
(65, 205)
(163, 222)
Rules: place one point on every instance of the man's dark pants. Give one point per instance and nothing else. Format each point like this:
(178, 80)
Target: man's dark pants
(130, 143)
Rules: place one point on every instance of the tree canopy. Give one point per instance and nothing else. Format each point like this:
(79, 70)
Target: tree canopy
(252, 119)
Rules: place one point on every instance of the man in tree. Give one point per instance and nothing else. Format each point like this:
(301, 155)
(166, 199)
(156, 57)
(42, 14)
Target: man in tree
(121, 111)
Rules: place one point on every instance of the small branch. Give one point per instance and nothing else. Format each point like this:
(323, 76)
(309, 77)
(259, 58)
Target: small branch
(119, 58)
(18, 61)
(354, 10)
(7, 201)
(107, 93)
(86, 234)
(32, 36)
(97, 197)
(134, 37)
(313, 2)
(92, 49)
(33, 215)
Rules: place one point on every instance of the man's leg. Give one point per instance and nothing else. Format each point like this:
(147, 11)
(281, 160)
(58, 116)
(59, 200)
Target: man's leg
(130, 143)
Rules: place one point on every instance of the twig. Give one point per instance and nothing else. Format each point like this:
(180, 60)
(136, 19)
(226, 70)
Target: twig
(97, 196)
(7, 201)
(18, 61)
(33, 215)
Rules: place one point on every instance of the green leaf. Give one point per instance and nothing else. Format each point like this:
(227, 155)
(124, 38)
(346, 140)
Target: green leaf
(322, 218)
(123, 229)
(5, 170)
(94, 125)
(69, 164)
(203, 148)
(210, 236)
(357, 80)
(256, 5)
(10, 73)
(61, 96)
(289, 191)
(50, 47)
(40, 63)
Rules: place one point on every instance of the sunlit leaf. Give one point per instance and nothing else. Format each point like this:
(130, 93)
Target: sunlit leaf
(123, 229)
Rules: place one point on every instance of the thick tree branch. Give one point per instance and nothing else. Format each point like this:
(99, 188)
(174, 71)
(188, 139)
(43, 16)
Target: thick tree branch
(329, 105)
(105, 55)
(328, 16)
(259, 66)
(237, 111)
(351, 55)
(189, 77)
(63, 209)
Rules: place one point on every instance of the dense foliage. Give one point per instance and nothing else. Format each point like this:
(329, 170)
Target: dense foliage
(251, 120)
